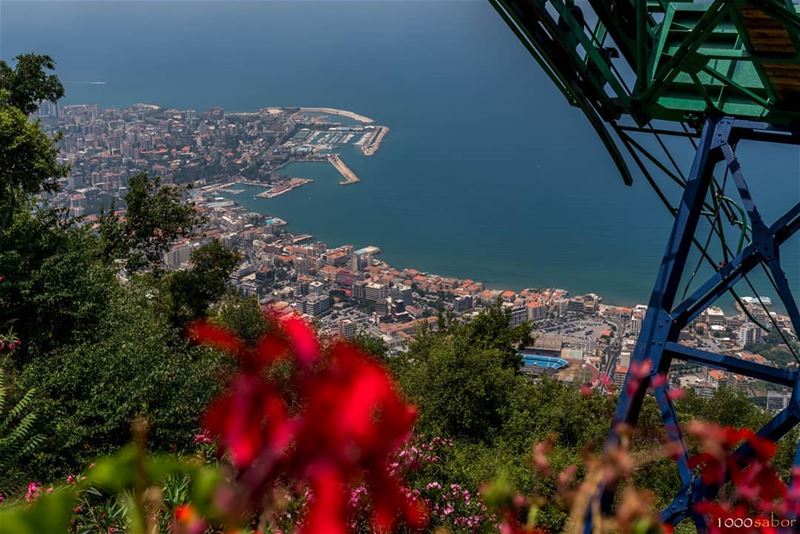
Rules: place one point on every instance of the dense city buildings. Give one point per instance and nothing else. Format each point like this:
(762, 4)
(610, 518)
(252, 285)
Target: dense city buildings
(348, 291)
(104, 148)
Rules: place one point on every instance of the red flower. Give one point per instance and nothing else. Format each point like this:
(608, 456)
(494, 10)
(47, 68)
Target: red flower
(757, 488)
(349, 422)
(186, 520)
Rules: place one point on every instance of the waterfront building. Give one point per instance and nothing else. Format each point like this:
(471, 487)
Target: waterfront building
(715, 316)
(636, 325)
(575, 305)
(536, 312)
(519, 315)
(591, 302)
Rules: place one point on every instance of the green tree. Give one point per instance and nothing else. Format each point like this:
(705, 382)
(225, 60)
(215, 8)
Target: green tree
(242, 315)
(192, 291)
(137, 365)
(491, 329)
(28, 83)
(462, 389)
(156, 216)
(56, 285)
(373, 345)
(28, 157)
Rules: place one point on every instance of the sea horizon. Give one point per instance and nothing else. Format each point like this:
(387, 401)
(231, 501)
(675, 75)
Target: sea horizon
(487, 172)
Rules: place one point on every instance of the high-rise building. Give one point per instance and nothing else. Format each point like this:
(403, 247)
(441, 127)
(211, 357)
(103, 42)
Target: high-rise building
(636, 325)
(316, 305)
(376, 292)
(749, 333)
(777, 401)
(561, 307)
(519, 314)
(537, 312)
(715, 316)
(179, 255)
(360, 290)
(347, 329)
(462, 304)
(316, 288)
(402, 292)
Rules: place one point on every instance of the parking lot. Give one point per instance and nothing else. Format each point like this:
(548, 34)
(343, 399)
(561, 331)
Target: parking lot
(579, 332)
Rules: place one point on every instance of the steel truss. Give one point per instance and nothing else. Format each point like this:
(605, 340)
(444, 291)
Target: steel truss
(665, 318)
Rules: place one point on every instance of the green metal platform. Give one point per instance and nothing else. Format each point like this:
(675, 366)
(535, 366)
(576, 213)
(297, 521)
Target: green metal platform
(675, 60)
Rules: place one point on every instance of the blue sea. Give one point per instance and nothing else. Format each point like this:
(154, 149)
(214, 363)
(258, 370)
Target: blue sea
(487, 172)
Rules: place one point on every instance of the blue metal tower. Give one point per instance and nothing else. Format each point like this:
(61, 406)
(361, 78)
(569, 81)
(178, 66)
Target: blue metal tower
(719, 74)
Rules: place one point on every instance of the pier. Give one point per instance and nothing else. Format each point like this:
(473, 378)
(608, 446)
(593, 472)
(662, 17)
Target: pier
(374, 143)
(347, 173)
(340, 112)
(284, 187)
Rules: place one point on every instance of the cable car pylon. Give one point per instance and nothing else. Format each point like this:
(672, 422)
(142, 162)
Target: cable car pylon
(718, 74)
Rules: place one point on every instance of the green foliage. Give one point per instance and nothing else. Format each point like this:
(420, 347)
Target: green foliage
(461, 389)
(28, 157)
(775, 350)
(373, 345)
(28, 161)
(190, 292)
(726, 407)
(56, 285)
(137, 365)
(537, 410)
(118, 493)
(156, 216)
(490, 330)
(28, 83)
(17, 437)
(243, 316)
(50, 513)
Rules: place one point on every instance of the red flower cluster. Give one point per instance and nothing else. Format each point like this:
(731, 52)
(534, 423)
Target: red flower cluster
(342, 430)
(758, 494)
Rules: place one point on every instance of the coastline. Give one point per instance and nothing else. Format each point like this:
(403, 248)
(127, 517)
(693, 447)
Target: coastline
(406, 263)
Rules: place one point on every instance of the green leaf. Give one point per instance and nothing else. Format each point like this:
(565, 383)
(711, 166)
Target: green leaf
(49, 514)
(115, 473)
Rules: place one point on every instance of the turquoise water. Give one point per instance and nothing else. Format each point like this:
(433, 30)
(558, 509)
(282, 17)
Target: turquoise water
(487, 173)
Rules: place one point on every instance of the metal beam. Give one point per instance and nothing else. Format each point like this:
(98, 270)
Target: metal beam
(775, 375)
